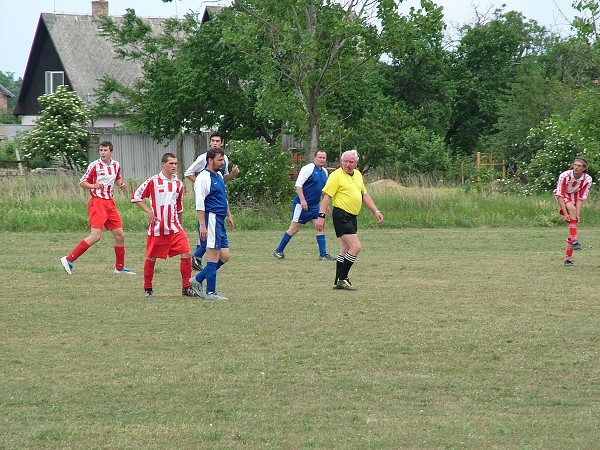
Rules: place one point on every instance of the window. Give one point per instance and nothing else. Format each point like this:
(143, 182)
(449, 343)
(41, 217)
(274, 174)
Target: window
(53, 80)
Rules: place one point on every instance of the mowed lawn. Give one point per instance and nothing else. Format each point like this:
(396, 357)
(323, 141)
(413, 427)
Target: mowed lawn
(470, 338)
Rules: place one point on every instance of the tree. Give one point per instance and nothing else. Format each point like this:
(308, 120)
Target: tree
(59, 133)
(306, 49)
(486, 63)
(7, 79)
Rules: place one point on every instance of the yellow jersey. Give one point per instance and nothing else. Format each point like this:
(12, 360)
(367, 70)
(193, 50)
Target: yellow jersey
(346, 190)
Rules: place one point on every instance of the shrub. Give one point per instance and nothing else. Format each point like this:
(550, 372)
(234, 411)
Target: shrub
(264, 176)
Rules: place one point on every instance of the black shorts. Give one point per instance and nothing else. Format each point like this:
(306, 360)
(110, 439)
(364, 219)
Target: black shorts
(343, 222)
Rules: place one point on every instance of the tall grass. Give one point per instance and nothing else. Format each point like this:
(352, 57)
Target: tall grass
(57, 203)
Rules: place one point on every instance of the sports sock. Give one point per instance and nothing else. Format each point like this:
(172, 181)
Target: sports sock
(200, 250)
(347, 265)
(211, 276)
(78, 251)
(185, 268)
(321, 244)
(119, 257)
(569, 250)
(219, 264)
(573, 229)
(339, 264)
(148, 273)
(284, 241)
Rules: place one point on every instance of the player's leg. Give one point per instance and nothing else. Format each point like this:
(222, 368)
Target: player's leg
(291, 231)
(572, 210)
(199, 252)
(322, 243)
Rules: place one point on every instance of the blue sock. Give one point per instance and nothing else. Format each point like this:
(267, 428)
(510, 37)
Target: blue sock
(200, 250)
(322, 246)
(219, 264)
(211, 276)
(284, 241)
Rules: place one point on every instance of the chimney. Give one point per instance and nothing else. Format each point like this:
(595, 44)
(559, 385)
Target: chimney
(99, 8)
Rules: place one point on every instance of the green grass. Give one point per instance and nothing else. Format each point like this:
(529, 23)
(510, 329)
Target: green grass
(57, 203)
(457, 338)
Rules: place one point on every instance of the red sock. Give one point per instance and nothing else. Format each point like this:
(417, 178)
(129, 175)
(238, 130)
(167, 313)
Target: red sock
(569, 251)
(78, 251)
(573, 229)
(148, 273)
(120, 257)
(185, 267)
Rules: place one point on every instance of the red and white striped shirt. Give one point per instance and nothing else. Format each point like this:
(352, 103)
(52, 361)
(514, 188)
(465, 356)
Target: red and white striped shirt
(166, 201)
(571, 188)
(107, 174)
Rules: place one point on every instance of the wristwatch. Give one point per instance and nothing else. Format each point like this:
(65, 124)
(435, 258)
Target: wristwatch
(321, 215)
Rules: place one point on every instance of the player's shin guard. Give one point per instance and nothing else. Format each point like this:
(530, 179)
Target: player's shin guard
(339, 264)
(211, 276)
(119, 257)
(347, 265)
(321, 244)
(185, 268)
(148, 273)
(569, 250)
(285, 239)
(573, 229)
(78, 251)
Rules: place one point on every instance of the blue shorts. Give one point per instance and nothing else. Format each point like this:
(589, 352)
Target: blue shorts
(301, 216)
(217, 235)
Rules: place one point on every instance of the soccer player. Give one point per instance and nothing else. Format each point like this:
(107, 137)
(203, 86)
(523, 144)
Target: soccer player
(305, 207)
(346, 188)
(100, 179)
(571, 190)
(216, 141)
(212, 209)
(166, 236)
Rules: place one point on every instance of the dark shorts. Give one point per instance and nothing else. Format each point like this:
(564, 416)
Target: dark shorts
(343, 222)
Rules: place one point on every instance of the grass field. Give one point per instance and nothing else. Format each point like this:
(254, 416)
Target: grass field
(470, 338)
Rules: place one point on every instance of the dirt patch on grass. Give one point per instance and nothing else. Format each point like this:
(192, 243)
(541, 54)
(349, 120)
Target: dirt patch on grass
(385, 185)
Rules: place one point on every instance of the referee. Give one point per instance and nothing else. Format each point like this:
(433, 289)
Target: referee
(346, 188)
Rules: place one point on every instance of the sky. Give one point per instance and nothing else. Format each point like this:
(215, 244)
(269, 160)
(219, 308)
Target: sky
(18, 20)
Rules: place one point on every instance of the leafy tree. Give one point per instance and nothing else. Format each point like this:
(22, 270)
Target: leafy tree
(306, 49)
(59, 132)
(14, 86)
(487, 59)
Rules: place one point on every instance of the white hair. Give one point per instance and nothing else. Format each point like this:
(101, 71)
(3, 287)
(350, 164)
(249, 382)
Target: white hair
(352, 153)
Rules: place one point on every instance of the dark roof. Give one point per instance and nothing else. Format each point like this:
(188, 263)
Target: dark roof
(86, 55)
(6, 92)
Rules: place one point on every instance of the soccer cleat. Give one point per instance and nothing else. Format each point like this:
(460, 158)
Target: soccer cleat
(214, 296)
(189, 292)
(67, 265)
(344, 284)
(148, 293)
(196, 286)
(279, 255)
(196, 263)
(124, 271)
(327, 257)
(575, 245)
(569, 263)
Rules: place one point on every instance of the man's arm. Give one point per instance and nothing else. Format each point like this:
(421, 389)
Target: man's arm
(369, 203)
(320, 225)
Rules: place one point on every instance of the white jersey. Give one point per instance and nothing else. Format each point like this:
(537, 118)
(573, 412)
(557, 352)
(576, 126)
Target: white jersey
(200, 164)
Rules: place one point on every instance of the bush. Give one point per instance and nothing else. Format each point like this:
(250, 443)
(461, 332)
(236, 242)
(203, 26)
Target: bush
(264, 176)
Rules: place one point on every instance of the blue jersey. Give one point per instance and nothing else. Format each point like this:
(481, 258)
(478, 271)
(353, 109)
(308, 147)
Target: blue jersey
(210, 193)
(312, 179)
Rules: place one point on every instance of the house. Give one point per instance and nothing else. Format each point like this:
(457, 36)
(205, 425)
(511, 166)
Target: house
(5, 94)
(69, 49)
